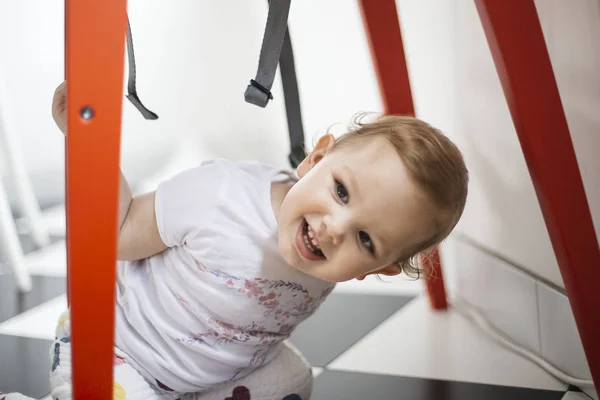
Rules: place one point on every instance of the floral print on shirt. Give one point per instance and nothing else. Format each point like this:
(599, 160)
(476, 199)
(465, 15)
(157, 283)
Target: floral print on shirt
(283, 305)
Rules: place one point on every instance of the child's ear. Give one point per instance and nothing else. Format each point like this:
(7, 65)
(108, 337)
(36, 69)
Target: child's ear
(390, 270)
(324, 145)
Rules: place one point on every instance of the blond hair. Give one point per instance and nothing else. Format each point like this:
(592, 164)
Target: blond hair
(433, 162)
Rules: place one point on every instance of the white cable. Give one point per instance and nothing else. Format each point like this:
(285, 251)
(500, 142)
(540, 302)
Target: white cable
(471, 313)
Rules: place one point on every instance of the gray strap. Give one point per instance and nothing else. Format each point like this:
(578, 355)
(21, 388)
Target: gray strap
(259, 90)
(131, 89)
(292, 102)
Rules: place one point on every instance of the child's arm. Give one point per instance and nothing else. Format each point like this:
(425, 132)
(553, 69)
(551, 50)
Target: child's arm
(138, 231)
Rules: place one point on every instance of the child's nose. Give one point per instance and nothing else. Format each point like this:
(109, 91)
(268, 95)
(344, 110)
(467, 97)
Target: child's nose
(334, 229)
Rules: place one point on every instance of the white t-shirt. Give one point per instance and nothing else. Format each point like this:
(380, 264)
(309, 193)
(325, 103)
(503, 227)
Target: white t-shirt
(214, 305)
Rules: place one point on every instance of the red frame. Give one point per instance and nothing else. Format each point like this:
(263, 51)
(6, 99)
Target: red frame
(95, 46)
(516, 41)
(383, 31)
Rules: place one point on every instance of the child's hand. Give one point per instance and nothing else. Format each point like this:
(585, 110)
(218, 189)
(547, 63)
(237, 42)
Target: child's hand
(59, 107)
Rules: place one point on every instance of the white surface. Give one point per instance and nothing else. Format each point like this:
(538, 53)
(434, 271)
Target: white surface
(49, 261)
(38, 322)
(560, 340)
(316, 371)
(503, 294)
(421, 343)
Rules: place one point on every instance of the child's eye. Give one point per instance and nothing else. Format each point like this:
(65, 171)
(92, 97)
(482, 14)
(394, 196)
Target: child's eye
(366, 240)
(340, 191)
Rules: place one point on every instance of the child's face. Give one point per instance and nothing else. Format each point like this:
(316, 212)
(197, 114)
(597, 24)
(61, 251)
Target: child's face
(353, 212)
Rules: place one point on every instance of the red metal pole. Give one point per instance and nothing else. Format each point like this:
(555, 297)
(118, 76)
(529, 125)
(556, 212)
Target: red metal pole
(382, 26)
(516, 40)
(95, 46)
(435, 281)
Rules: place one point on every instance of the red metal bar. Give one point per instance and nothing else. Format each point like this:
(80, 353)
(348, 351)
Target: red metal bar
(380, 18)
(516, 40)
(95, 46)
(434, 282)
(382, 27)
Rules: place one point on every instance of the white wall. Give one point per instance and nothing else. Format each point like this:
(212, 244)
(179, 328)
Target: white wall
(456, 87)
(31, 44)
(428, 36)
(216, 44)
(572, 36)
(503, 225)
(503, 213)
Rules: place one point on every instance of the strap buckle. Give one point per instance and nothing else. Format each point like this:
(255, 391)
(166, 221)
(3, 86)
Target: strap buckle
(262, 89)
(257, 94)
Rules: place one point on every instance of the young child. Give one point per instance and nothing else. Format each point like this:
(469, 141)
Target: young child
(223, 261)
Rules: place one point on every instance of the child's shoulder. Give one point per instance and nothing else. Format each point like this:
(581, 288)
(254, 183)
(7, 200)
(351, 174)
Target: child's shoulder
(189, 199)
(216, 170)
(230, 166)
(220, 174)
(250, 171)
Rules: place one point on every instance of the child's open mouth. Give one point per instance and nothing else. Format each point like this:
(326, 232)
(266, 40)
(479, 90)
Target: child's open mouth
(307, 243)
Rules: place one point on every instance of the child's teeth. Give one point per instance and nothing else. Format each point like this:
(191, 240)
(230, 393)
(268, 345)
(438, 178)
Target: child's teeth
(310, 240)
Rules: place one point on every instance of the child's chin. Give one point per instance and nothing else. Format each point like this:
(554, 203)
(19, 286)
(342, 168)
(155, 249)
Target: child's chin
(318, 274)
(289, 254)
(302, 268)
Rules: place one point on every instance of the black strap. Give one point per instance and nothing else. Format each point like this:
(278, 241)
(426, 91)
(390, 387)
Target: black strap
(131, 89)
(259, 90)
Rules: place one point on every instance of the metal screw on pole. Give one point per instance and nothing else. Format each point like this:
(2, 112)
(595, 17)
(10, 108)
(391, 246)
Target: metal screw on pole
(87, 113)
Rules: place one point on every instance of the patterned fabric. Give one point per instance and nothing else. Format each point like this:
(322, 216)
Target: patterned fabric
(128, 384)
(243, 393)
(287, 373)
(240, 393)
